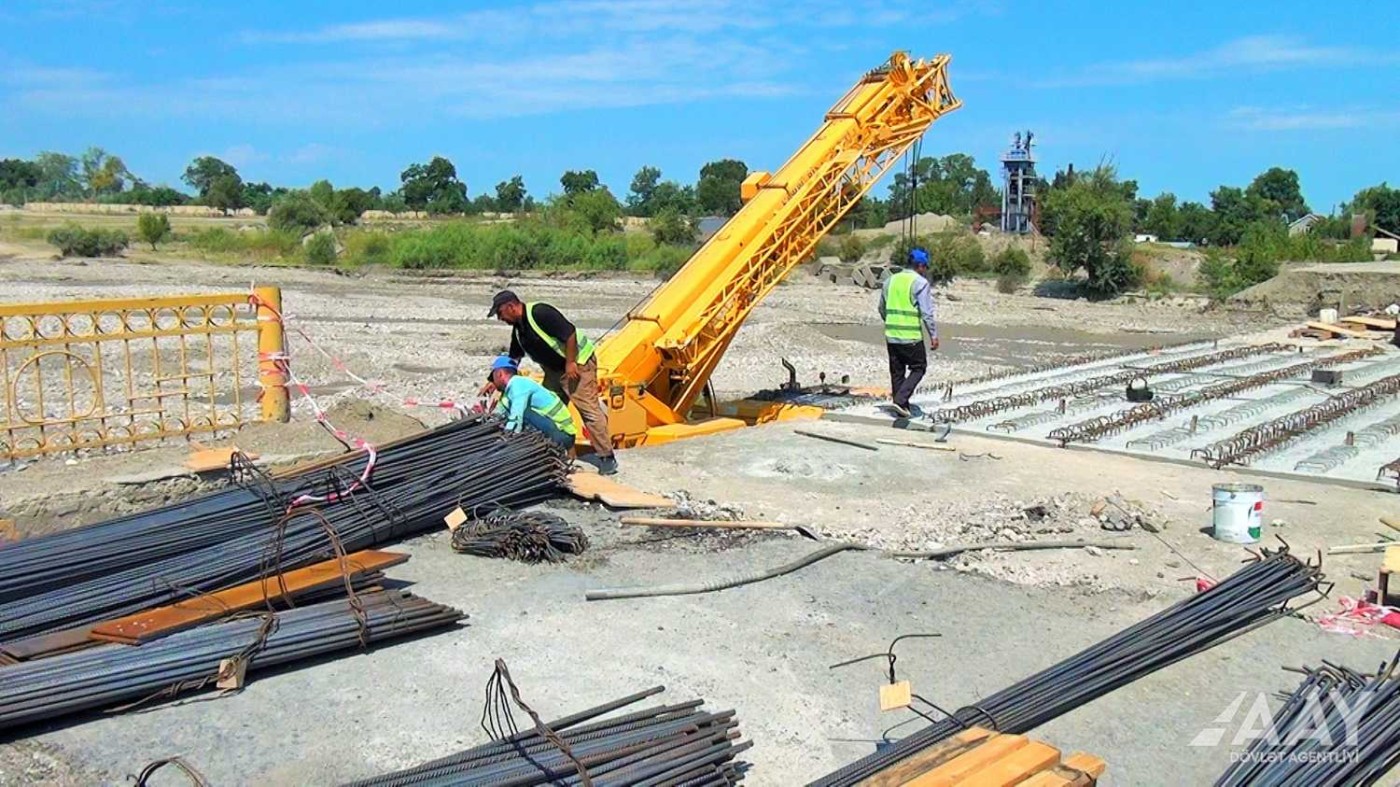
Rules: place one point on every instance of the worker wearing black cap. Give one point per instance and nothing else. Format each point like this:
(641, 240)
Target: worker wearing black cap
(567, 358)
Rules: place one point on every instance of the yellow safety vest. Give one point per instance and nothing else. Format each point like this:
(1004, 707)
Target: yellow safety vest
(902, 322)
(556, 410)
(585, 347)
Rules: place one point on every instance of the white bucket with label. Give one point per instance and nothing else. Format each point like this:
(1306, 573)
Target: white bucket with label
(1238, 514)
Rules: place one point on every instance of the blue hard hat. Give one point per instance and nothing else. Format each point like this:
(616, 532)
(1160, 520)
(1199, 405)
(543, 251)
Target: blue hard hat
(504, 362)
(918, 256)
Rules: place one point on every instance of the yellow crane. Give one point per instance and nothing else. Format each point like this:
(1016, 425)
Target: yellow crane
(655, 366)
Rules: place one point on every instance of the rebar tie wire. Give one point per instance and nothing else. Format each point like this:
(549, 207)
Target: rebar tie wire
(498, 708)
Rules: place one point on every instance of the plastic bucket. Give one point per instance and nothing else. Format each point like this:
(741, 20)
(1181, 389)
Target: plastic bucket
(1238, 512)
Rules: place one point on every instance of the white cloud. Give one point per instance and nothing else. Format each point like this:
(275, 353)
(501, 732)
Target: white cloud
(551, 56)
(1306, 118)
(312, 153)
(1250, 54)
(242, 155)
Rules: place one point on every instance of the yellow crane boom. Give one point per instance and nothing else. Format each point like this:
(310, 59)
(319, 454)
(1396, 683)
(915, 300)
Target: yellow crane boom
(652, 370)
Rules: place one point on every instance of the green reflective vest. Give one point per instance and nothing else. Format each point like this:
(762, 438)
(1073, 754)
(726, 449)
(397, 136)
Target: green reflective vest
(902, 321)
(555, 409)
(585, 347)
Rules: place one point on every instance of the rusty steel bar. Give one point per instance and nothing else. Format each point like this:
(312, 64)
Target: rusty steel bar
(985, 407)
(1272, 434)
(1104, 425)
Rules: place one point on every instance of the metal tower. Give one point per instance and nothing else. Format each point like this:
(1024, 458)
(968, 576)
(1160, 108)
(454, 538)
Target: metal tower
(1018, 213)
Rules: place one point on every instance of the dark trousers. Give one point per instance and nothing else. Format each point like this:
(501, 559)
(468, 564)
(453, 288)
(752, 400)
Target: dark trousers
(908, 362)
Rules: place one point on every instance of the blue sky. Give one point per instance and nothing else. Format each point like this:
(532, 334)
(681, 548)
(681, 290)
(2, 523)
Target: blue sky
(1182, 96)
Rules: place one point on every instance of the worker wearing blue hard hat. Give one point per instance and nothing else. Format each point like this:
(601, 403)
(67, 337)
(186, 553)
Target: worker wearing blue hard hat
(906, 307)
(526, 403)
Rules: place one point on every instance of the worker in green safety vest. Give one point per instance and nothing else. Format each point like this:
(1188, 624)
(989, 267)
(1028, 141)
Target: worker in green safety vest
(906, 307)
(567, 358)
(526, 403)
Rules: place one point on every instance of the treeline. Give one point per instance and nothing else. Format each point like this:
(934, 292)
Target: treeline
(433, 187)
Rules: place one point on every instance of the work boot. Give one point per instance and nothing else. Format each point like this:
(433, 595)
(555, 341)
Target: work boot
(607, 465)
(900, 410)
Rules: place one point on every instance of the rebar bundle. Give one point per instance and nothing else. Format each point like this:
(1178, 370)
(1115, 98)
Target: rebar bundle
(1339, 728)
(527, 536)
(1104, 425)
(1210, 421)
(660, 745)
(109, 675)
(985, 407)
(1251, 597)
(470, 464)
(1272, 434)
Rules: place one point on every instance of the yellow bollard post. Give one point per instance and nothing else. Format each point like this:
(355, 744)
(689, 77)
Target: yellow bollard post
(272, 349)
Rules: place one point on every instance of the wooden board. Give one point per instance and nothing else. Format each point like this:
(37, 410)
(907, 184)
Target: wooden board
(206, 460)
(978, 757)
(1374, 323)
(1338, 330)
(158, 622)
(591, 486)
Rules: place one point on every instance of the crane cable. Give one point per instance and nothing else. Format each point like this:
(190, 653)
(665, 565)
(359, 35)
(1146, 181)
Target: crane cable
(911, 170)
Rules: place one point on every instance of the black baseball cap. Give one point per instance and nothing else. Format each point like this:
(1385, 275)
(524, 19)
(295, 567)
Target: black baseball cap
(502, 298)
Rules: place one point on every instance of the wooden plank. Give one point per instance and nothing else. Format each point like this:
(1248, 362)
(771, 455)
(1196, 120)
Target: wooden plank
(960, 768)
(206, 460)
(1016, 767)
(1338, 330)
(591, 486)
(928, 758)
(1374, 323)
(1086, 764)
(1359, 549)
(1047, 779)
(158, 622)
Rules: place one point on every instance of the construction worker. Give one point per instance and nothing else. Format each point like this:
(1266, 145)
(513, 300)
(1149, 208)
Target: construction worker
(566, 356)
(906, 306)
(525, 402)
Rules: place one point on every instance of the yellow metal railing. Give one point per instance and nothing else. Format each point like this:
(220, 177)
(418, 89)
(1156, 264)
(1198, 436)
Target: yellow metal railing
(116, 372)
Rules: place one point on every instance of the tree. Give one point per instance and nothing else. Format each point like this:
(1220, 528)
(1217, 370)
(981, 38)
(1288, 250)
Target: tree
(204, 172)
(1381, 204)
(951, 185)
(671, 226)
(484, 203)
(1195, 222)
(717, 191)
(1235, 210)
(18, 174)
(58, 176)
(433, 187)
(225, 193)
(575, 182)
(1162, 217)
(1093, 218)
(511, 195)
(347, 205)
(103, 173)
(639, 198)
(153, 228)
(869, 213)
(298, 212)
(261, 196)
(670, 194)
(324, 193)
(1279, 188)
(598, 208)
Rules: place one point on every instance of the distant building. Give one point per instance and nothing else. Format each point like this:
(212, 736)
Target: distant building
(1303, 224)
(1018, 198)
(1144, 238)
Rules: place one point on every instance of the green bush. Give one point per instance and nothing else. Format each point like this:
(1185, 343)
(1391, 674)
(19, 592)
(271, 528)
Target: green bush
(153, 228)
(298, 212)
(1012, 261)
(367, 248)
(320, 249)
(671, 226)
(850, 248)
(215, 240)
(75, 241)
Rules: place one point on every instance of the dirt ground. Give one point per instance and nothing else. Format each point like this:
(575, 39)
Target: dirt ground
(764, 649)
